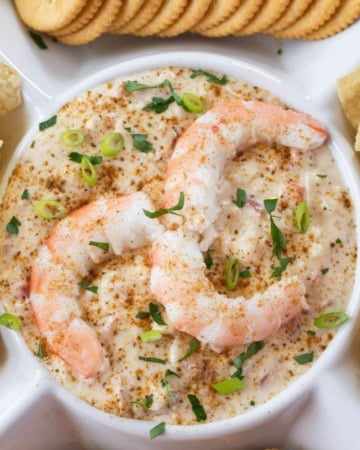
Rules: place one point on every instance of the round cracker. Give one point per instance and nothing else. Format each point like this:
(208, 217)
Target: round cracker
(192, 14)
(219, 11)
(269, 13)
(168, 13)
(243, 15)
(345, 15)
(42, 15)
(100, 23)
(143, 16)
(293, 12)
(315, 16)
(86, 14)
(128, 10)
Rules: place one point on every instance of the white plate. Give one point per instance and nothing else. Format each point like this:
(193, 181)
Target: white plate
(55, 75)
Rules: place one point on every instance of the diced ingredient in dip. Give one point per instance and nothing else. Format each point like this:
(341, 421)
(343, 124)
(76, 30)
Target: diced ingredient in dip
(174, 243)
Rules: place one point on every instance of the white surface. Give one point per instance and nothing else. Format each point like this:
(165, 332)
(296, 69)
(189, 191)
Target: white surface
(328, 419)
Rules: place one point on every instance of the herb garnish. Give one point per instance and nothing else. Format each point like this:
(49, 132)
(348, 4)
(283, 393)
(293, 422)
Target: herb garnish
(47, 123)
(77, 157)
(165, 383)
(86, 285)
(141, 143)
(211, 78)
(305, 358)
(159, 104)
(338, 241)
(245, 274)
(155, 314)
(325, 270)
(208, 260)
(311, 333)
(279, 51)
(321, 175)
(40, 351)
(302, 217)
(142, 315)
(161, 212)
(192, 347)
(157, 430)
(331, 319)
(240, 198)
(10, 321)
(252, 403)
(145, 405)
(38, 40)
(25, 195)
(253, 348)
(103, 245)
(197, 408)
(13, 226)
(152, 359)
(278, 239)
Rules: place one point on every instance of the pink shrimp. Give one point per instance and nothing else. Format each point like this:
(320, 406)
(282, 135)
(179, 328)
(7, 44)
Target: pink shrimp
(192, 304)
(67, 256)
(200, 154)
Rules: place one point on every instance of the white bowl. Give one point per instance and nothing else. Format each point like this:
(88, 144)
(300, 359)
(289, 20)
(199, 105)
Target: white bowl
(63, 421)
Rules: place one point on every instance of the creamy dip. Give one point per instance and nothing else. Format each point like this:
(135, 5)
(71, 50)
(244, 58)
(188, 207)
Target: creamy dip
(323, 256)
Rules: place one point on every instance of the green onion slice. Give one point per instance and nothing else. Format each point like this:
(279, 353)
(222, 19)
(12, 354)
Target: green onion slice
(40, 351)
(302, 217)
(161, 212)
(155, 314)
(305, 358)
(228, 386)
(232, 273)
(72, 138)
(88, 172)
(13, 226)
(152, 359)
(10, 321)
(192, 347)
(331, 319)
(192, 103)
(47, 123)
(50, 209)
(157, 430)
(112, 144)
(151, 336)
(197, 408)
(102, 245)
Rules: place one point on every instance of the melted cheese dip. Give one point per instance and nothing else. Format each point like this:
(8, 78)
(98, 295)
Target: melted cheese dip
(324, 256)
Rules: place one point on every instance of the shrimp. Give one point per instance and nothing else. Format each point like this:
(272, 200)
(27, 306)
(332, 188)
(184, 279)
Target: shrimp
(192, 304)
(67, 256)
(202, 151)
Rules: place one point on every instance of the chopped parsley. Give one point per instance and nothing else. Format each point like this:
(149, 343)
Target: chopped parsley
(77, 157)
(13, 226)
(142, 315)
(208, 260)
(145, 405)
(141, 143)
(197, 408)
(47, 123)
(253, 348)
(25, 195)
(161, 212)
(152, 359)
(40, 351)
(38, 40)
(245, 274)
(165, 383)
(159, 104)
(325, 270)
(155, 314)
(86, 285)
(211, 78)
(192, 347)
(321, 175)
(102, 245)
(240, 198)
(305, 358)
(311, 333)
(338, 241)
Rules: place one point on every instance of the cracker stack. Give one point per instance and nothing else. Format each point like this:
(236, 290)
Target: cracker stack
(78, 22)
